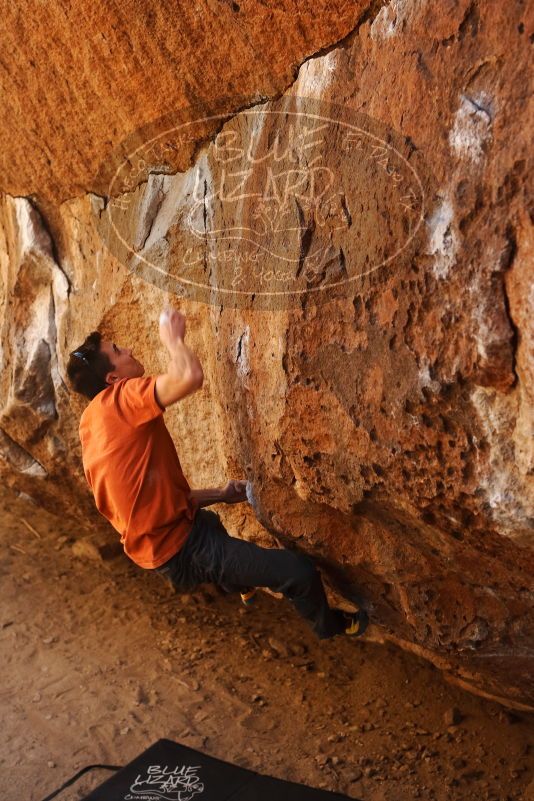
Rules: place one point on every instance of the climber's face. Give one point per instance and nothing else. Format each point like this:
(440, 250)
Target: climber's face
(124, 364)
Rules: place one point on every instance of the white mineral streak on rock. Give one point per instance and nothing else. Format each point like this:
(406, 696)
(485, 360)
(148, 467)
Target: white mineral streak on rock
(442, 238)
(50, 286)
(33, 237)
(256, 152)
(316, 75)
(153, 197)
(60, 295)
(209, 222)
(255, 123)
(425, 379)
(472, 127)
(508, 495)
(488, 331)
(179, 191)
(507, 418)
(395, 18)
(242, 354)
(480, 316)
(30, 336)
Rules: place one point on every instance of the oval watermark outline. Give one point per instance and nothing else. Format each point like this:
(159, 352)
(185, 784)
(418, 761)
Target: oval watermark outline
(283, 293)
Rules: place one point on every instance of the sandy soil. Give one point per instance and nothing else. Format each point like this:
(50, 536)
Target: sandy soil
(99, 659)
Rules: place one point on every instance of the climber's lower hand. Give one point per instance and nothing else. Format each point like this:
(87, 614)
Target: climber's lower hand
(235, 492)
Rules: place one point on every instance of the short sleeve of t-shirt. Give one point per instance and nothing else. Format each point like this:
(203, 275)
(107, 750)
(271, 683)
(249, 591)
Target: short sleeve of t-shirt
(137, 400)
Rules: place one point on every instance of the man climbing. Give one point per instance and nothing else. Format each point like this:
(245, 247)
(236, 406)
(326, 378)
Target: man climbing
(132, 467)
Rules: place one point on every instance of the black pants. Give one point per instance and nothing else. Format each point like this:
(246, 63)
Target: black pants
(210, 554)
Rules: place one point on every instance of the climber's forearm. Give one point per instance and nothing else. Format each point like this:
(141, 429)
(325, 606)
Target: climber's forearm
(205, 497)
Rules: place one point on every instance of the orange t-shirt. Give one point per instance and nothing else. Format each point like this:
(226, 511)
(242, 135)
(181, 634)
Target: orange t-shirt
(132, 467)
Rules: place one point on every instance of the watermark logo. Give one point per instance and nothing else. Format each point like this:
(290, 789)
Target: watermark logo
(164, 784)
(288, 199)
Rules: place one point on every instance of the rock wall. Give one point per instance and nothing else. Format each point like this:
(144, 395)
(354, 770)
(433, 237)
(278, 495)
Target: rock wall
(387, 424)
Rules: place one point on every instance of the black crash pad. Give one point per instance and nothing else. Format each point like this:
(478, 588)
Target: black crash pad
(168, 771)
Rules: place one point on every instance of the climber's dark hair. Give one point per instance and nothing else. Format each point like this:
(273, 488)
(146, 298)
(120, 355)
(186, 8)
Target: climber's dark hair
(88, 366)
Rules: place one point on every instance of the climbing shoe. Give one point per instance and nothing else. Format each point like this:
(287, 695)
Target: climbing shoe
(247, 597)
(357, 622)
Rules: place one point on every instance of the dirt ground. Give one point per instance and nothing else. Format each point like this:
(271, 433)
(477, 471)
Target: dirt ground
(99, 659)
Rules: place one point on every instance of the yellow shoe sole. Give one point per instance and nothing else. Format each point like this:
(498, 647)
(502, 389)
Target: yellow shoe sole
(359, 623)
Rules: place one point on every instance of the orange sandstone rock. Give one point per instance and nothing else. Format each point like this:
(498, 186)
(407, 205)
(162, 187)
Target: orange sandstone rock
(387, 430)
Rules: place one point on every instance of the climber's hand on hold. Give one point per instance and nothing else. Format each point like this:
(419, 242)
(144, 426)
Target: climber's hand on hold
(171, 327)
(235, 492)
